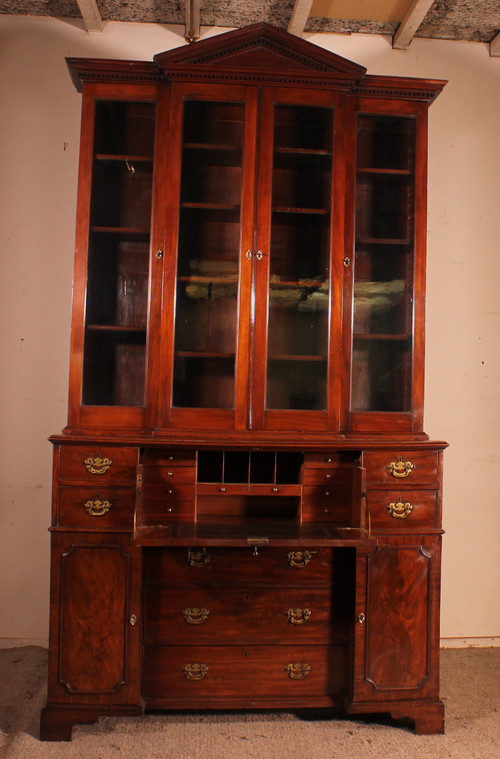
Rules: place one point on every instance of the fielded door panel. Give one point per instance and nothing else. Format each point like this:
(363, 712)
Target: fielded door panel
(96, 588)
(397, 609)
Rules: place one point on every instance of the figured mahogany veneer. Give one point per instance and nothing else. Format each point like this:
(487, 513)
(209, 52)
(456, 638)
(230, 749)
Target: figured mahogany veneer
(246, 511)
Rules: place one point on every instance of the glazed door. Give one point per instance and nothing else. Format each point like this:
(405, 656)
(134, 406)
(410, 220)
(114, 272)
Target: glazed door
(389, 267)
(297, 268)
(113, 326)
(208, 256)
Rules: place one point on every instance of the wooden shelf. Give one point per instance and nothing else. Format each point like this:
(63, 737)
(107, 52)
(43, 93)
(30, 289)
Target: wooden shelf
(114, 328)
(305, 211)
(121, 230)
(123, 158)
(384, 172)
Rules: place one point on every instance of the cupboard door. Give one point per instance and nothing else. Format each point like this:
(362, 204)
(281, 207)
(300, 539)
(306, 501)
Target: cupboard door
(300, 240)
(389, 261)
(95, 638)
(115, 233)
(397, 620)
(208, 254)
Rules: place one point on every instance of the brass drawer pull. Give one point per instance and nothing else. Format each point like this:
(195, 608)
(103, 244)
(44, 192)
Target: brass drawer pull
(298, 616)
(97, 465)
(399, 510)
(97, 507)
(400, 468)
(297, 671)
(198, 557)
(299, 558)
(195, 671)
(195, 616)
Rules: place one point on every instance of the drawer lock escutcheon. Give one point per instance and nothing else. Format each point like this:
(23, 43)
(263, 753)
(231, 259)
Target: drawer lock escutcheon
(195, 671)
(98, 507)
(298, 671)
(195, 616)
(97, 465)
(299, 558)
(400, 468)
(399, 510)
(298, 616)
(198, 557)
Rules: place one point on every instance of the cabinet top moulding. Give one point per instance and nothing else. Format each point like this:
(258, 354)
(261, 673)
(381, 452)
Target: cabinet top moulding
(261, 54)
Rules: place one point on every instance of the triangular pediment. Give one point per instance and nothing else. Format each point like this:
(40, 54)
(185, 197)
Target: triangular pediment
(260, 47)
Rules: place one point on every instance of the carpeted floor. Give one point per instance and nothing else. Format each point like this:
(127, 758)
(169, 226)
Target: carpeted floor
(470, 689)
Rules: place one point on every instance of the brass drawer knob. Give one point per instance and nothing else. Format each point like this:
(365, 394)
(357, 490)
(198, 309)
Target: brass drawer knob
(195, 671)
(399, 510)
(97, 507)
(198, 557)
(299, 558)
(298, 616)
(400, 468)
(298, 671)
(97, 465)
(195, 616)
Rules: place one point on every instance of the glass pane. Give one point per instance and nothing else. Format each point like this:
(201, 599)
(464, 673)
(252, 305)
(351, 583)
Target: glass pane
(298, 314)
(118, 255)
(384, 260)
(208, 255)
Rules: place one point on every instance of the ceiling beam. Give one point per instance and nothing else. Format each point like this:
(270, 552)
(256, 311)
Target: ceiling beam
(414, 16)
(192, 24)
(495, 45)
(91, 15)
(300, 14)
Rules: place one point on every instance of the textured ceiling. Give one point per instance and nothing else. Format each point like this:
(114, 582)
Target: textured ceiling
(475, 20)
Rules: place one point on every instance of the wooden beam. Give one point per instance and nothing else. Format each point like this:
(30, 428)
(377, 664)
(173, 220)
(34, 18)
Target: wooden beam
(300, 14)
(409, 25)
(495, 46)
(91, 15)
(192, 25)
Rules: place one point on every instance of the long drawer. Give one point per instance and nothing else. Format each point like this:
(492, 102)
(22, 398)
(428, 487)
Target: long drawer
(174, 673)
(197, 616)
(238, 567)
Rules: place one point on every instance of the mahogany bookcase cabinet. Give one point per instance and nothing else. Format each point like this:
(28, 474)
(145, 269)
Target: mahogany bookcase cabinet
(246, 510)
